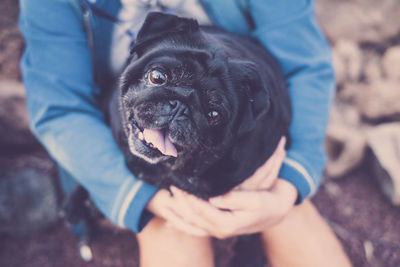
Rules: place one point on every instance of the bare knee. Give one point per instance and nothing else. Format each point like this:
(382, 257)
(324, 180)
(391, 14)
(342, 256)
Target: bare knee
(303, 238)
(160, 245)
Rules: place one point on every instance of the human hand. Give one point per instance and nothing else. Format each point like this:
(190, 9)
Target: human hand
(266, 175)
(165, 206)
(236, 213)
(248, 209)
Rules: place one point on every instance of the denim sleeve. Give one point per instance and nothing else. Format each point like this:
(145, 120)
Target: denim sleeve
(290, 32)
(58, 76)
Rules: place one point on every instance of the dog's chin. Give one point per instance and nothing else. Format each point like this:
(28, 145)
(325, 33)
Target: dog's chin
(140, 148)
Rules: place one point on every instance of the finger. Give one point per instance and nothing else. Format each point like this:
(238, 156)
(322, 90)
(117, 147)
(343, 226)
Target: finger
(226, 224)
(259, 175)
(177, 222)
(269, 177)
(241, 200)
(191, 208)
(208, 215)
(217, 223)
(262, 172)
(272, 176)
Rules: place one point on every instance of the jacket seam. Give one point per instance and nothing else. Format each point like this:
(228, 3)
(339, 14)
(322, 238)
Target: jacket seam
(297, 166)
(128, 200)
(119, 198)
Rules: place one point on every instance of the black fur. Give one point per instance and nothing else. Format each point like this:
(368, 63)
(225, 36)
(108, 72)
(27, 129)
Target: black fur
(207, 69)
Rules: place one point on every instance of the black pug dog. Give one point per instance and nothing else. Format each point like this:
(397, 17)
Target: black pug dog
(197, 107)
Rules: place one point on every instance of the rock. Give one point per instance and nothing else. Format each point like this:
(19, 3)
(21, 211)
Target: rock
(27, 196)
(28, 201)
(348, 92)
(384, 142)
(14, 124)
(378, 100)
(347, 61)
(372, 69)
(12, 44)
(369, 250)
(391, 63)
(348, 211)
(359, 20)
(345, 142)
(332, 189)
(11, 88)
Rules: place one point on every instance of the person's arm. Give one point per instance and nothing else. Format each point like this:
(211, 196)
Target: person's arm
(289, 30)
(58, 76)
(291, 33)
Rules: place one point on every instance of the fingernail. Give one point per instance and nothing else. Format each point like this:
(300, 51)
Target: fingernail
(282, 142)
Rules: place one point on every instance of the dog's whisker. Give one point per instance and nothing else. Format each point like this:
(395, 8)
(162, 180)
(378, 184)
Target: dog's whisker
(196, 74)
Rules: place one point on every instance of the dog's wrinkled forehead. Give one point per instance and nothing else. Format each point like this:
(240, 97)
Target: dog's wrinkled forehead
(219, 67)
(158, 25)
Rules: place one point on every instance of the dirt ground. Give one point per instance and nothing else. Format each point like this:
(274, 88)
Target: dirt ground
(367, 224)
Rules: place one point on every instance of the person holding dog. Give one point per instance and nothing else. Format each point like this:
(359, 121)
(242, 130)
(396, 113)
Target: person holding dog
(73, 47)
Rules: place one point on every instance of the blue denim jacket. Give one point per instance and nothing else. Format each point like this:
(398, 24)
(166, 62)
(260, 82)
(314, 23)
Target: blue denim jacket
(61, 73)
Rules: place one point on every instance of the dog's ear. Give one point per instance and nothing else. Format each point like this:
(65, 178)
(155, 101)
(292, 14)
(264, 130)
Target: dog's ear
(158, 24)
(252, 88)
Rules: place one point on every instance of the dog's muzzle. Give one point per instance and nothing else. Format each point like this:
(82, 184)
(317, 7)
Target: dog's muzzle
(154, 120)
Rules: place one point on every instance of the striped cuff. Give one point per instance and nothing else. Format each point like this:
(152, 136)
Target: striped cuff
(130, 211)
(295, 173)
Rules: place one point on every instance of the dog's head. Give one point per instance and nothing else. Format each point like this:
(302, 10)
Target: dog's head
(188, 93)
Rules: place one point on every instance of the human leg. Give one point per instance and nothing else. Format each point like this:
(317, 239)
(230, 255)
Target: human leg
(303, 238)
(160, 245)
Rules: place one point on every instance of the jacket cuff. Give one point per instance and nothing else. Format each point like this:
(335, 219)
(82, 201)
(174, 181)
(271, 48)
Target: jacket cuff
(296, 174)
(133, 214)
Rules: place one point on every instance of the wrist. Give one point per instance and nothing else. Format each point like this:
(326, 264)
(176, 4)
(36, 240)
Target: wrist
(287, 192)
(295, 173)
(159, 202)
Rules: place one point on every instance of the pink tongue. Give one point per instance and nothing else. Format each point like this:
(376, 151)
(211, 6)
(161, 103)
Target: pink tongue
(159, 141)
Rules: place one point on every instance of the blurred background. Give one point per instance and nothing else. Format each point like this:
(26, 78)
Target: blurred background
(360, 194)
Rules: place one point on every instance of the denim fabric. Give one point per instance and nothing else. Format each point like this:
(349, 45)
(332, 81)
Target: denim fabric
(291, 33)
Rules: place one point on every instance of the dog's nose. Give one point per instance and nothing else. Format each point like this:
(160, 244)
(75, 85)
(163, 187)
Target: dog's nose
(178, 109)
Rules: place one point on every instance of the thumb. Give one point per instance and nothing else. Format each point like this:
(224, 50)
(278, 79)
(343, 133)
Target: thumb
(266, 174)
(242, 200)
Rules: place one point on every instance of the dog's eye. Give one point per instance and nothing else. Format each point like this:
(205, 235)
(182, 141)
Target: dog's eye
(213, 117)
(157, 77)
